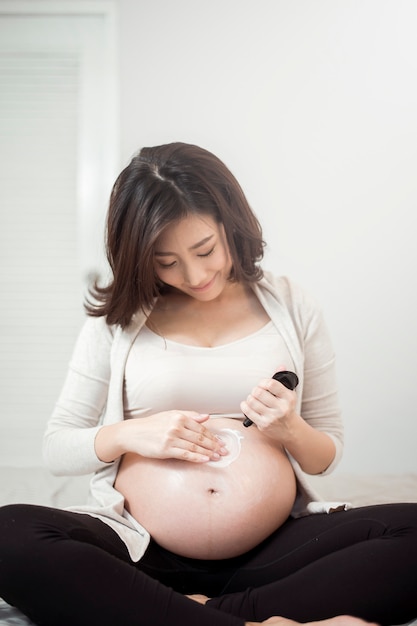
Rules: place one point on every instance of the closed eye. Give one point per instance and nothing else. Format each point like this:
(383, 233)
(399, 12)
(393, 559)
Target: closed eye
(166, 265)
(208, 253)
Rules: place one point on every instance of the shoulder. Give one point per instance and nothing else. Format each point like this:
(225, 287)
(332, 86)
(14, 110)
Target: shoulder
(285, 291)
(93, 346)
(291, 306)
(96, 329)
(99, 343)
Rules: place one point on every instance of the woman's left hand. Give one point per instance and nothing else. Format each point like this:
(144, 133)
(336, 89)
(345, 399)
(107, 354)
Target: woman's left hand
(271, 406)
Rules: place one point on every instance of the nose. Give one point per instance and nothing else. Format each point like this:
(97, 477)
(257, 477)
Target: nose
(194, 275)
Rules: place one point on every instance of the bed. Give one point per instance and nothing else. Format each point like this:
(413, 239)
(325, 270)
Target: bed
(35, 485)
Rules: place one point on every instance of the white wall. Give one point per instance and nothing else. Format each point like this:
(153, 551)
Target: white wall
(312, 104)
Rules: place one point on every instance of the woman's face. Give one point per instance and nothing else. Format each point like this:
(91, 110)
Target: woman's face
(192, 256)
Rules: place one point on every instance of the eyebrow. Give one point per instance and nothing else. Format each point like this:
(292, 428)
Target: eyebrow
(193, 247)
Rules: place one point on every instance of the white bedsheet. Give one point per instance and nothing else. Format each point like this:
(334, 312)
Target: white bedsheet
(37, 486)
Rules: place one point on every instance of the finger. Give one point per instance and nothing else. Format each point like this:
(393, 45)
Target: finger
(203, 436)
(271, 392)
(249, 412)
(260, 396)
(187, 422)
(186, 451)
(193, 436)
(275, 387)
(213, 444)
(197, 417)
(261, 412)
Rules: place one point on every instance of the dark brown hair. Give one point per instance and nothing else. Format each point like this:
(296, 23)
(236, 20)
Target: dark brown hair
(162, 185)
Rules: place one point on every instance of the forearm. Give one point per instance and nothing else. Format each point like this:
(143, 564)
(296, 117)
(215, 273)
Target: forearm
(109, 443)
(70, 451)
(170, 434)
(313, 449)
(68, 446)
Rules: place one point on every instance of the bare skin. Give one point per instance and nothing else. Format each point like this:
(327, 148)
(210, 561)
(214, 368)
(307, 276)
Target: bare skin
(204, 308)
(339, 620)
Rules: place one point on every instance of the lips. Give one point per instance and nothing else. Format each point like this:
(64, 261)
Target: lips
(204, 287)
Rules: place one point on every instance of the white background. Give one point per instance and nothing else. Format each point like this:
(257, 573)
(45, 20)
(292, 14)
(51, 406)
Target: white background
(312, 105)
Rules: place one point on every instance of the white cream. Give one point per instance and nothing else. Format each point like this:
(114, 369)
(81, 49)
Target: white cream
(232, 442)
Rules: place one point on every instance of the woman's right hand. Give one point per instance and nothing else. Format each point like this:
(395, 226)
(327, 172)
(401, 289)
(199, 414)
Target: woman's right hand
(166, 435)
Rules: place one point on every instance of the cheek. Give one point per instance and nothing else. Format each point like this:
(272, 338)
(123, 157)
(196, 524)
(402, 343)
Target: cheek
(226, 259)
(165, 276)
(158, 273)
(167, 279)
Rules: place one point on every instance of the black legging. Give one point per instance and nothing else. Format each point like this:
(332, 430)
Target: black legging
(63, 568)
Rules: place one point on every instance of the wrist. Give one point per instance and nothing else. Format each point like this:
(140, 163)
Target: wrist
(313, 449)
(109, 442)
(291, 430)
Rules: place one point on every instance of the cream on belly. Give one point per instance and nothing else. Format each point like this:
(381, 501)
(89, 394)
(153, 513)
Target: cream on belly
(213, 510)
(232, 441)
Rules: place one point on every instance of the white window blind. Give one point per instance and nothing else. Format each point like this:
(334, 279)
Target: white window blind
(47, 101)
(38, 278)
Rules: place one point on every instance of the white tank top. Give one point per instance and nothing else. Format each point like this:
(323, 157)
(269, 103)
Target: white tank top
(162, 374)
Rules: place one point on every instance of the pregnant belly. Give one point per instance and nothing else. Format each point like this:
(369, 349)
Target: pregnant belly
(212, 510)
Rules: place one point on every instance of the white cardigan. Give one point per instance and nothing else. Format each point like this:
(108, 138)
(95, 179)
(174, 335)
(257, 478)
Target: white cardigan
(92, 396)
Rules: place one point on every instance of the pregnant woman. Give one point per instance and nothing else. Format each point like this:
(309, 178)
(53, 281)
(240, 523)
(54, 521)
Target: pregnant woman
(200, 512)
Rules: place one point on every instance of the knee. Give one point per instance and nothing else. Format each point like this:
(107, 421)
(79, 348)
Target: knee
(15, 520)
(12, 540)
(9, 513)
(12, 513)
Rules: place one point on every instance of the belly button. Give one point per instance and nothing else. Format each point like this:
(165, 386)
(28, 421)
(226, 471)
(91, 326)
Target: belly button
(213, 492)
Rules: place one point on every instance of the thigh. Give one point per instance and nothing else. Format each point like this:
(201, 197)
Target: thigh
(23, 527)
(303, 541)
(65, 568)
(186, 575)
(361, 562)
(50, 558)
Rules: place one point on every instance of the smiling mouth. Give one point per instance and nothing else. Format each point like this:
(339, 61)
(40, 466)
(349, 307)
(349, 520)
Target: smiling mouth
(204, 287)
